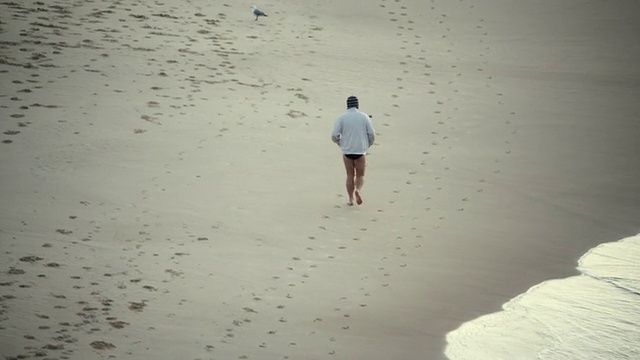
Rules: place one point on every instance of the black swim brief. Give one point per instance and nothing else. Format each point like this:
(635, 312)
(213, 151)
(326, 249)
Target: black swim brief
(353, 156)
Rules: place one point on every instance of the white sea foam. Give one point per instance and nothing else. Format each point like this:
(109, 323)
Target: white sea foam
(595, 315)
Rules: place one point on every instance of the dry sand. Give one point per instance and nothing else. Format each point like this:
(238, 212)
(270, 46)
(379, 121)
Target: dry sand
(169, 189)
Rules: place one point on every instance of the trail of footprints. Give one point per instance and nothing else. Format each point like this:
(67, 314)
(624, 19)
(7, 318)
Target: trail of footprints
(105, 293)
(46, 32)
(86, 311)
(442, 97)
(307, 274)
(81, 311)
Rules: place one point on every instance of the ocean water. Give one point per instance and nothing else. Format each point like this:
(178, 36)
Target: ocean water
(595, 315)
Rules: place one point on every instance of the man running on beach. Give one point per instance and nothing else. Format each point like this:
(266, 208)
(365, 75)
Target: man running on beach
(354, 134)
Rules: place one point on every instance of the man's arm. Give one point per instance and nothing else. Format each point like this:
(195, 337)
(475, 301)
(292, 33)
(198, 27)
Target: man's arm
(371, 133)
(337, 132)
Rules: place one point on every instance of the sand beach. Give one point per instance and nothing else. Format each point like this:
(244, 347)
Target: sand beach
(169, 188)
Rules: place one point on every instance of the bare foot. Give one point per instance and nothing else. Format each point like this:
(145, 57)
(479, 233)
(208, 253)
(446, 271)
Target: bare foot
(358, 197)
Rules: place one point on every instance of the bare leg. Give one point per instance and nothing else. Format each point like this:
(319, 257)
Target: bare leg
(349, 166)
(360, 165)
(356, 192)
(350, 190)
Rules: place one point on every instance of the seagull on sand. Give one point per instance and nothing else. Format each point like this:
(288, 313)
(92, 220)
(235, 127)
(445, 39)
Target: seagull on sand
(257, 12)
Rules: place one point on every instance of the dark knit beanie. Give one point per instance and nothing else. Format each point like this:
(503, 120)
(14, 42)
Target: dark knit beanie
(352, 101)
